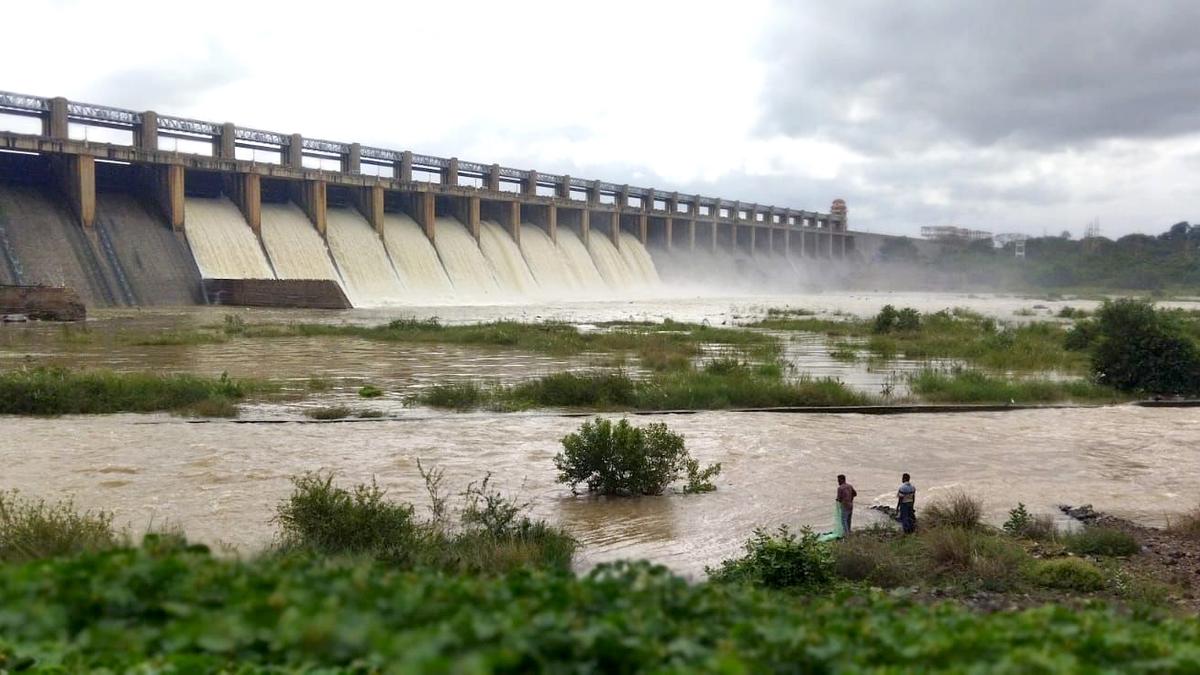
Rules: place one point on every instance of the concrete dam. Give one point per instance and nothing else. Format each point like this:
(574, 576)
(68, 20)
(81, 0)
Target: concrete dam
(136, 208)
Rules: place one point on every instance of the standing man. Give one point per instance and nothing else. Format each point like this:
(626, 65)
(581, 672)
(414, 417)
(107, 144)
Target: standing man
(845, 498)
(906, 498)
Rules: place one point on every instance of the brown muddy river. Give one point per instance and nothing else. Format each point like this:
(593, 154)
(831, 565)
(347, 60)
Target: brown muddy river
(220, 480)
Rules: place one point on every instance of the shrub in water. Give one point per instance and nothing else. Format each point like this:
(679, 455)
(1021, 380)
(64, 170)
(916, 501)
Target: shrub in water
(1102, 541)
(621, 459)
(954, 510)
(1070, 574)
(1142, 349)
(780, 560)
(35, 529)
(333, 412)
(1022, 523)
(370, 391)
(324, 518)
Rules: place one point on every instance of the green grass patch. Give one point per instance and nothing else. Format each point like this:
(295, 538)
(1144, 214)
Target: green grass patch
(33, 529)
(719, 385)
(59, 391)
(1095, 540)
(1072, 574)
(972, 386)
(196, 612)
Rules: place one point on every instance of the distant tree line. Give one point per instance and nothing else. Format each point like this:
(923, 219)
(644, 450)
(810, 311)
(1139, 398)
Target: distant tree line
(1133, 262)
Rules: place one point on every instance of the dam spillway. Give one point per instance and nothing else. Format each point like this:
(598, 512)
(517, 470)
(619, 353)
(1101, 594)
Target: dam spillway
(132, 220)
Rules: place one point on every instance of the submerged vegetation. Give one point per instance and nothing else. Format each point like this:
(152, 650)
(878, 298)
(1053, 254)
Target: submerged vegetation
(59, 391)
(621, 459)
(973, 386)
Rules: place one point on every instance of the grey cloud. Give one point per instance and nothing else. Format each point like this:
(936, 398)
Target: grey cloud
(1024, 73)
(168, 86)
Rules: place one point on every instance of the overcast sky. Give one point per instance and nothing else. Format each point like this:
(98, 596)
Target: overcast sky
(1013, 116)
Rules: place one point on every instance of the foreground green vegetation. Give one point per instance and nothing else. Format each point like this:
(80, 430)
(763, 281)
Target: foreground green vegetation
(197, 613)
(718, 385)
(59, 391)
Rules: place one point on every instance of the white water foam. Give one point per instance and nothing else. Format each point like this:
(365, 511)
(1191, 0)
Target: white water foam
(509, 266)
(415, 258)
(579, 262)
(548, 263)
(464, 263)
(637, 258)
(609, 262)
(367, 273)
(223, 244)
(294, 247)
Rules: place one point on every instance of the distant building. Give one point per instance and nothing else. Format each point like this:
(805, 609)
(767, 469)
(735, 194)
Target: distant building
(953, 233)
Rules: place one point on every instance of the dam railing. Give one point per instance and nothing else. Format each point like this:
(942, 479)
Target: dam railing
(425, 185)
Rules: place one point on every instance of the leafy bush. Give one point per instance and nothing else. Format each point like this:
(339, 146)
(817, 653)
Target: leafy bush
(193, 612)
(321, 517)
(1144, 350)
(31, 529)
(370, 391)
(956, 509)
(1022, 523)
(1095, 540)
(782, 560)
(908, 320)
(621, 459)
(889, 320)
(1082, 336)
(1071, 574)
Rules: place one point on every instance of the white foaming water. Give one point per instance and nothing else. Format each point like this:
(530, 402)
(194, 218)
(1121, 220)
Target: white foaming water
(366, 269)
(547, 262)
(579, 262)
(223, 244)
(609, 262)
(637, 258)
(415, 258)
(293, 245)
(504, 254)
(463, 261)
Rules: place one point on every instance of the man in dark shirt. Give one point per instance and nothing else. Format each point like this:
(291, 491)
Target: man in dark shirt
(845, 498)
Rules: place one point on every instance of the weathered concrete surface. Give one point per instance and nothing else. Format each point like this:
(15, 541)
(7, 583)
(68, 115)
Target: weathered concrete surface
(42, 243)
(45, 303)
(153, 263)
(306, 293)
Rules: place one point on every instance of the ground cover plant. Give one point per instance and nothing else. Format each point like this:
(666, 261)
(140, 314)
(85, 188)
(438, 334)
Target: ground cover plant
(197, 613)
(720, 384)
(61, 391)
(959, 334)
(626, 460)
(492, 532)
(972, 386)
(33, 528)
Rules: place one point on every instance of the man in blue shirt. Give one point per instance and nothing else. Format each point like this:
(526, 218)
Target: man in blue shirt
(907, 505)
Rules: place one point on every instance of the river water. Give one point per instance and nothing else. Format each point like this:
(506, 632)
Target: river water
(220, 480)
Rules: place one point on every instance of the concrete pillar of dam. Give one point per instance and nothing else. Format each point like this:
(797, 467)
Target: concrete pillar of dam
(585, 225)
(668, 226)
(691, 235)
(146, 137)
(593, 193)
(450, 173)
(787, 242)
(512, 219)
(168, 193)
(77, 178)
(55, 124)
(227, 143)
(552, 222)
(426, 212)
(753, 234)
(352, 162)
(245, 189)
(643, 226)
(614, 229)
(314, 203)
(467, 209)
(493, 178)
(370, 205)
(402, 171)
(563, 189)
(842, 246)
(295, 152)
(529, 186)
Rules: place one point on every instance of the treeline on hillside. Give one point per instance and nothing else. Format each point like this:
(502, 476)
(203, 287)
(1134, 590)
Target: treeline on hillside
(1133, 262)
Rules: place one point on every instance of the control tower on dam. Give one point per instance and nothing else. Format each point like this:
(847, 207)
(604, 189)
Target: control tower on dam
(138, 208)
